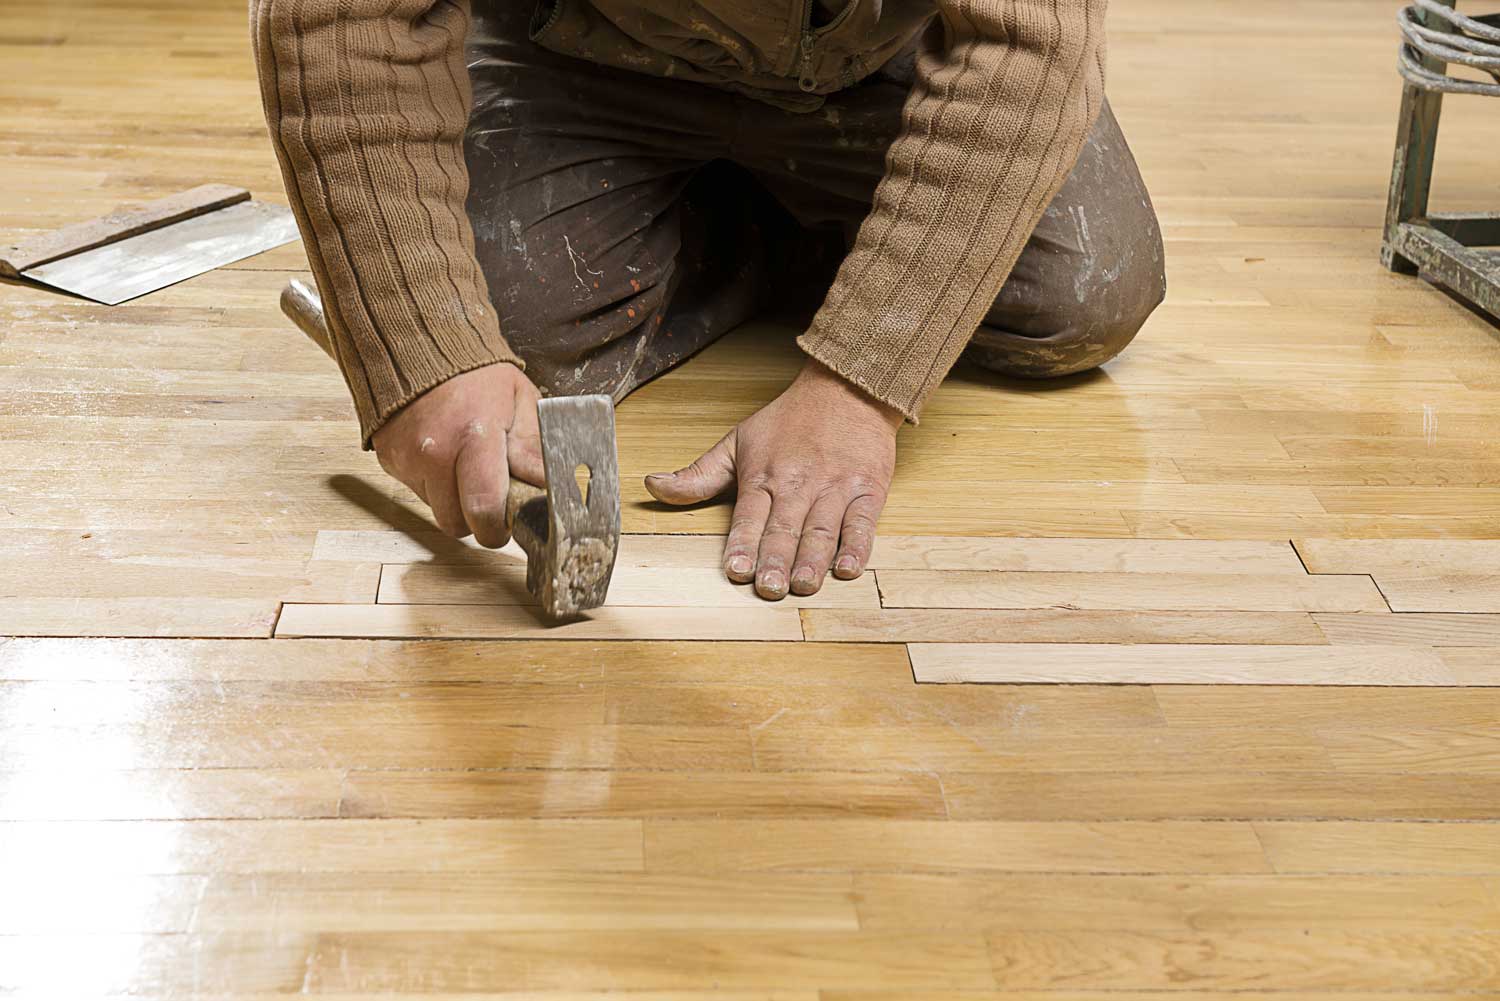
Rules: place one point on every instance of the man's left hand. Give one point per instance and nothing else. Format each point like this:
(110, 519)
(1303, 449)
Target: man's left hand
(813, 468)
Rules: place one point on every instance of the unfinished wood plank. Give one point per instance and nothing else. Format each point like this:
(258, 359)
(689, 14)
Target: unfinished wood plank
(1235, 795)
(519, 622)
(1473, 593)
(1056, 625)
(1309, 958)
(1209, 903)
(892, 552)
(1176, 664)
(1129, 591)
(1346, 846)
(318, 845)
(618, 793)
(522, 901)
(1400, 557)
(1476, 666)
(241, 617)
(675, 587)
(1410, 628)
(949, 846)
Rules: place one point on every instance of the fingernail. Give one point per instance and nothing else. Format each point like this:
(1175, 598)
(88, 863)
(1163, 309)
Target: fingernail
(803, 577)
(847, 564)
(741, 565)
(774, 583)
(660, 476)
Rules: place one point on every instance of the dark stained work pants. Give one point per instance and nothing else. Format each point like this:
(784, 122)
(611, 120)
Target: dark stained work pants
(625, 221)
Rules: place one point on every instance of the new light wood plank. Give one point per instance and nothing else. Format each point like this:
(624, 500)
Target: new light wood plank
(1477, 666)
(949, 846)
(1473, 751)
(318, 845)
(1129, 591)
(618, 793)
(1410, 628)
(892, 552)
(677, 587)
(1343, 846)
(517, 622)
(1400, 557)
(1181, 664)
(1472, 593)
(1056, 625)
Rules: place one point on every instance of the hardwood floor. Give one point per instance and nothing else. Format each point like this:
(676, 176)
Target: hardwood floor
(1290, 480)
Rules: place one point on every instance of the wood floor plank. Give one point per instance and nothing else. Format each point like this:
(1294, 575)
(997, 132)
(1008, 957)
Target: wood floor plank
(1175, 903)
(1474, 751)
(466, 962)
(677, 587)
(1279, 959)
(763, 706)
(1057, 625)
(1410, 628)
(521, 901)
(1346, 846)
(1129, 591)
(241, 617)
(1329, 708)
(949, 846)
(513, 621)
(1183, 664)
(46, 902)
(1472, 593)
(616, 793)
(1400, 557)
(101, 793)
(318, 845)
(1236, 795)
(1476, 666)
(1002, 748)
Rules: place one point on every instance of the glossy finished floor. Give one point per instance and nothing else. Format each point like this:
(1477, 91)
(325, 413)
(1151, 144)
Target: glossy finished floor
(1287, 485)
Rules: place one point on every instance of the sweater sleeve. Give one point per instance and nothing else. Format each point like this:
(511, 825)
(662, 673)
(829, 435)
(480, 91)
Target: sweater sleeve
(367, 103)
(996, 118)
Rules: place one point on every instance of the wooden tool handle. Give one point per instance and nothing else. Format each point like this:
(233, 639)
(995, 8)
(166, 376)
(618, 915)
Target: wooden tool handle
(118, 225)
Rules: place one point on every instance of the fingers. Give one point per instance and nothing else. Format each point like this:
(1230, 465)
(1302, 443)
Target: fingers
(778, 544)
(751, 510)
(857, 536)
(524, 440)
(482, 474)
(440, 491)
(820, 537)
(710, 474)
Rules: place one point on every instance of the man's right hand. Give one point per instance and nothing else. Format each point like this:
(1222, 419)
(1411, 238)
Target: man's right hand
(458, 444)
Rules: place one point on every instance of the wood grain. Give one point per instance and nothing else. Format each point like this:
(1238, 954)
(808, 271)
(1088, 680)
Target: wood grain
(1180, 664)
(1129, 591)
(1057, 625)
(765, 622)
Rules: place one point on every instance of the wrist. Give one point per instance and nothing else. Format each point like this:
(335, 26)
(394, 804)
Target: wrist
(819, 378)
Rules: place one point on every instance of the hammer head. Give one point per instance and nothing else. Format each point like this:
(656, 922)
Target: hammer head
(572, 538)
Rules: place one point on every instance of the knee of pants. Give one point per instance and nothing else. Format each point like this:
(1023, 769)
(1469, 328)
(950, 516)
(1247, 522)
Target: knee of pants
(1081, 328)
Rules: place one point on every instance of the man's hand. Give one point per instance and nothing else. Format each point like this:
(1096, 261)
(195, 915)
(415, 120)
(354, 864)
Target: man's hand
(813, 468)
(457, 445)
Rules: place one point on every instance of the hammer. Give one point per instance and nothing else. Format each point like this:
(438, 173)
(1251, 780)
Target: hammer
(570, 536)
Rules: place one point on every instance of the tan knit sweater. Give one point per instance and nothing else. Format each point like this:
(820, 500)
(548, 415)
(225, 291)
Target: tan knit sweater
(367, 101)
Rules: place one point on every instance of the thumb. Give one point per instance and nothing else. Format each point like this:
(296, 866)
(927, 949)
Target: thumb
(711, 474)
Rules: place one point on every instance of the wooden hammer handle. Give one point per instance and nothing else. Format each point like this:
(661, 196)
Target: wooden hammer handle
(302, 305)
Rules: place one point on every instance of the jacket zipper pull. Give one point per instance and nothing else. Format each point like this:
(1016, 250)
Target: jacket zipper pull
(805, 78)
